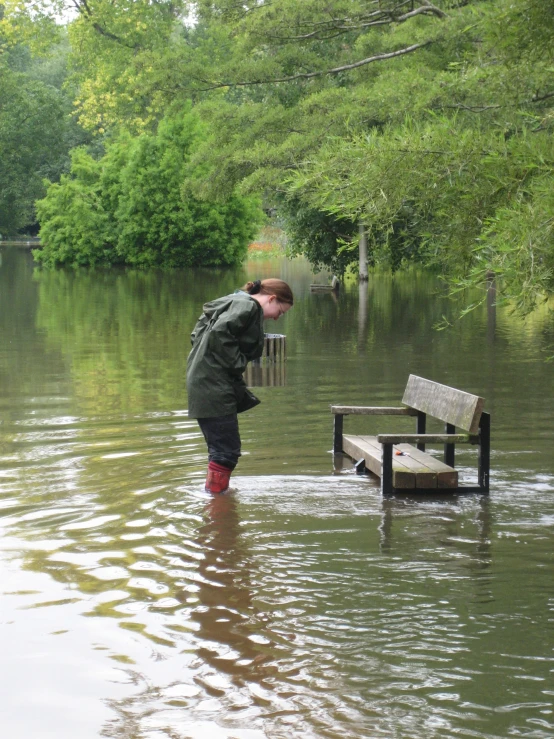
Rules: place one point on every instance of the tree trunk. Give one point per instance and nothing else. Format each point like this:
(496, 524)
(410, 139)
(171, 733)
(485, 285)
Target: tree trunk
(363, 276)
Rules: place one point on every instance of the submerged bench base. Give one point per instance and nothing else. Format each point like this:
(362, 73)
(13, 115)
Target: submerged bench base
(405, 468)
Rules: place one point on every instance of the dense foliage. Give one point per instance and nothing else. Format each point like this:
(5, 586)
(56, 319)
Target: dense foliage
(467, 165)
(429, 123)
(443, 151)
(321, 237)
(36, 131)
(135, 206)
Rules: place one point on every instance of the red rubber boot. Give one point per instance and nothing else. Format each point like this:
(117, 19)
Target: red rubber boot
(218, 477)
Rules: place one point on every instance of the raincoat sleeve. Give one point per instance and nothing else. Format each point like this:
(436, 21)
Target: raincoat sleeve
(224, 335)
(198, 329)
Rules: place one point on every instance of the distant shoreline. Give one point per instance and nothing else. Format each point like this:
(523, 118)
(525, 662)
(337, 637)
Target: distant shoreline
(29, 243)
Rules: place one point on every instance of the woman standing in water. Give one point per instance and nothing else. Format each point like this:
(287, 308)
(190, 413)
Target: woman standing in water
(226, 337)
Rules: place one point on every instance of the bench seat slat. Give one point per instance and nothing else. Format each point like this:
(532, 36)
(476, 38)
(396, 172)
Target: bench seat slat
(446, 477)
(366, 410)
(368, 449)
(412, 469)
(427, 438)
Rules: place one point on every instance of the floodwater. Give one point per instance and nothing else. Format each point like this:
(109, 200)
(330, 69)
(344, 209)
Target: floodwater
(302, 605)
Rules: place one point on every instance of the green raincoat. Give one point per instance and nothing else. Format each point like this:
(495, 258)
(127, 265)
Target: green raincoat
(226, 337)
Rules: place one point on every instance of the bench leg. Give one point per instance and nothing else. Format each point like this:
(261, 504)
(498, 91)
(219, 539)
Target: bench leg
(386, 470)
(484, 451)
(449, 448)
(421, 425)
(337, 433)
(339, 463)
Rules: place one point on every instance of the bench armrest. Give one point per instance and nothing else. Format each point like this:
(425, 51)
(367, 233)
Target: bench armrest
(427, 439)
(364, 410)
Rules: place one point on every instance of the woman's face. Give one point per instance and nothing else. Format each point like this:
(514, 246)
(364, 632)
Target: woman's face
(272, 307)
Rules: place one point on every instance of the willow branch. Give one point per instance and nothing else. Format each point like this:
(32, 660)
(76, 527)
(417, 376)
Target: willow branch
(311, 75)
(379, 18)
(538, 98)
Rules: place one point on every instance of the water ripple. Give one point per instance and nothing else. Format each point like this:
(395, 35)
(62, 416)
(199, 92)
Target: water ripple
(300, 605)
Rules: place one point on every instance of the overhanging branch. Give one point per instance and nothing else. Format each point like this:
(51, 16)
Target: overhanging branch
(336, 27)
(84, 9)
(320, 73)
(538, 98)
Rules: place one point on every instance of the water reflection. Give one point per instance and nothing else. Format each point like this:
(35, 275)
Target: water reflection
(443, 524)
(229, 623)
(362, 312)
(303, 605)
(268, 374)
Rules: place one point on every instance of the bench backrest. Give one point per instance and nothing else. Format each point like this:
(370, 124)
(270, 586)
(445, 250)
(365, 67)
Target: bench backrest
(445, 403)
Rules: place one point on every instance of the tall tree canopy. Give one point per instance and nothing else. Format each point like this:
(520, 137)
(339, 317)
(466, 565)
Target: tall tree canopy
(36, 128)
(431, 124)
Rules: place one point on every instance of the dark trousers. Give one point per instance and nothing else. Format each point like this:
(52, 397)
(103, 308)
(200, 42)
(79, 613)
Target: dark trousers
(223, 439)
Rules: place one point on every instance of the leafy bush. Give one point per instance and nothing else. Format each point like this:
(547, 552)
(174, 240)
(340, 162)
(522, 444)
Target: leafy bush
(76, 229)
(137, 206)
(322, 237)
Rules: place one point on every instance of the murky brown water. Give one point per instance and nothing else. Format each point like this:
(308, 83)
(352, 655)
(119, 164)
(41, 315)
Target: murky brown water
(132, 605)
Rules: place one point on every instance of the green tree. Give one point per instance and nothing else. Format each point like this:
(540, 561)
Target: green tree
(135, 206)
(36, 128)
(469, 173)
(429, 123)
(161, 222)
(432, 126)
(31, 119)
(76, 227)
(323, 238)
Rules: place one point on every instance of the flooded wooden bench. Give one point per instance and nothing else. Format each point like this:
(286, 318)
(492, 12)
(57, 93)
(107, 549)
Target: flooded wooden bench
(400, 460)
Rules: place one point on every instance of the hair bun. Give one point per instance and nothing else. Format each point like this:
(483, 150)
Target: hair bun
(254, 287)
